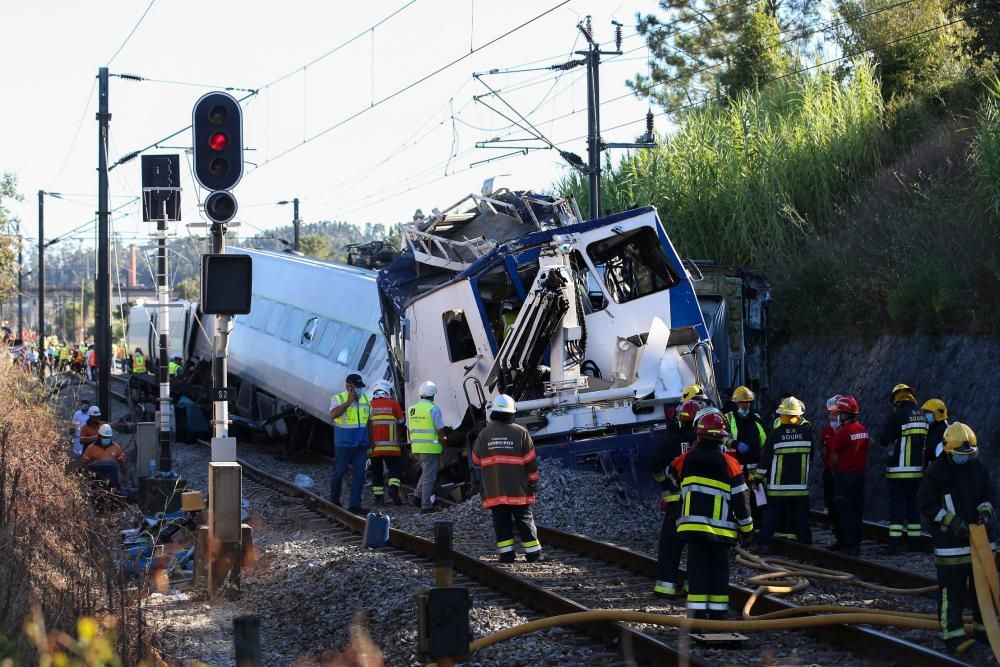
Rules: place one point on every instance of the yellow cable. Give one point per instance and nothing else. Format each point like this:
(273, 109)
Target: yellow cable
(984, 573)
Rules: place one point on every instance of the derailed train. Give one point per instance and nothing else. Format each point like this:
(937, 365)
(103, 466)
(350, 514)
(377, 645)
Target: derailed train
(592, 326)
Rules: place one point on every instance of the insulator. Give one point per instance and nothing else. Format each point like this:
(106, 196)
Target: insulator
(649, 124)
(618, 36)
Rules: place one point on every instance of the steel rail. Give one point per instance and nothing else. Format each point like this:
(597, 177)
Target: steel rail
(546, 601)
(877, 531)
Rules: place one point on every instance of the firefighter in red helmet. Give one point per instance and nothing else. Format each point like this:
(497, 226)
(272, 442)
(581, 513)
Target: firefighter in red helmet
(848, 450)
(715, 512)
(668, 552)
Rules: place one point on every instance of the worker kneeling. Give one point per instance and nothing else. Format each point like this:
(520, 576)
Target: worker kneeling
(715, 512)
(954, 492)
(506, 454)
(106, 460)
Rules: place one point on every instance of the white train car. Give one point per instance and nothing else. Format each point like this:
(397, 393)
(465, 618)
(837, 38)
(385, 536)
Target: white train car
(311, 324)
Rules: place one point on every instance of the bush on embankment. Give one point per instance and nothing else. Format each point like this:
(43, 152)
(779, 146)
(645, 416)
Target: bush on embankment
(56, 565)
(865, 218)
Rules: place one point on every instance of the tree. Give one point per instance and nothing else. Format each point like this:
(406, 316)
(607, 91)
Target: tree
(8, 239)
(316, 245)
(190, 289)
(910, 49)
(983, 17)
(704, 48)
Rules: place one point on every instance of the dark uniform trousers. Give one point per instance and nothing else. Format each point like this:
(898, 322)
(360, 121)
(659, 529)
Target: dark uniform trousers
(708, 579)
(380, 465)
(904, 513)
(832, 507)
(850, 502)
(668, 551)
(508, 517)
(953, 582)
(795, 508)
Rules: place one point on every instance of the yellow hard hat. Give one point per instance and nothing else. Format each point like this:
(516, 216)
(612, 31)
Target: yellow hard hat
(905, 390)
(791, 406)
(692, 391)
(960, 439)
(742, 395)
(936, 407)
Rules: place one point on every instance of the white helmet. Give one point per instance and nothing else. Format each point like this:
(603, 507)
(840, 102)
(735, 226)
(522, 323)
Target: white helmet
(504, 403)
(428, 389)
(105, 431)
(94, 411)
(831, 403)
(381, 387)
(706, 411)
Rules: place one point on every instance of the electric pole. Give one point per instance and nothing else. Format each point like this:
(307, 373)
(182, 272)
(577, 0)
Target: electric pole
(20, 286)
(296, 223)
(41, 285)
(102, 338)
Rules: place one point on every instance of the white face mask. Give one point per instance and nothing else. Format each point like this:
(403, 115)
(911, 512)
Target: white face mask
(834, 422)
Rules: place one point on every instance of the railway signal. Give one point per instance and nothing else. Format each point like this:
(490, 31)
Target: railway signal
(217, 127)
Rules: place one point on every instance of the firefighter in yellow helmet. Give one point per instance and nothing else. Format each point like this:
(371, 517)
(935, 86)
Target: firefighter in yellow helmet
(903, 435)
(956, 491)
(936, 414)
(784, 469)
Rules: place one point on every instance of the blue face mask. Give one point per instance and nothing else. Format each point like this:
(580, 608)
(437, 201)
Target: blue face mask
(961, 459)
(929, 417)
(743, 411)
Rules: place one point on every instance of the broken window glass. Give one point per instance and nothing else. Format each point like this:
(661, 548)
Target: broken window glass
(456, 330)
(633, 264)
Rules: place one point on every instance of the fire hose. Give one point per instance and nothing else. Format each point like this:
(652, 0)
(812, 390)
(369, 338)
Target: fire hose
(789, 578)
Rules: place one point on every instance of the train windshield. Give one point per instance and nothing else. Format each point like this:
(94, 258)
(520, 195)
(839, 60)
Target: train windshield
(632, 264)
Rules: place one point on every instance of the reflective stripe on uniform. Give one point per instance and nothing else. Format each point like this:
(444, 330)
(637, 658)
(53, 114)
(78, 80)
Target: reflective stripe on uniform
(665, 587)
(423, 434)
(504, 546)
(353, 418)
(531, 546)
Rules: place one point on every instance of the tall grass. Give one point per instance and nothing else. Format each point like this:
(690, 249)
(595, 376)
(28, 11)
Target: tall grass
(741, 182)
(986, 146)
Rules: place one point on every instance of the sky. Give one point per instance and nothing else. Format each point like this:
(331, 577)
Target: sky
(400, 152)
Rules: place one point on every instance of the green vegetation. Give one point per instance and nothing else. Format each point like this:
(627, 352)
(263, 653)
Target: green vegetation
(8, 238)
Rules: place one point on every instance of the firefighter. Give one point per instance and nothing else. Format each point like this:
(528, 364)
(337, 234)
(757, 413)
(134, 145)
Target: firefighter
(904, 434)
(427, 432)
(138, 362)
(825, 435)
(715, 512)
(695, 392)
(387, 427)
(936, 415)
(955, 492)
(505, 455)
(668, 551)
(784, 469)
(747, 429)
(350, 410)
(848, 456)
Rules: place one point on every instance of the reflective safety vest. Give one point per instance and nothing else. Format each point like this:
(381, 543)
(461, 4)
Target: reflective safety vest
(906, 451)
(385, 417)
(173, 368)
(423, 435)
(715, 504)
(139, 363)
(355, 416)
(784, 463)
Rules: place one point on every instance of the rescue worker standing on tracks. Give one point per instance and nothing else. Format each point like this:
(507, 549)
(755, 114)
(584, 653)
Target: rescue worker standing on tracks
(784, 468)
(848, 456)
(904, 434)
(386, 453)
(715, 512)
(505, 454)
(749, 434)
(427, 432)
(351, 411)
(668, 551)
(936, 414)
(829, 495)
(956, 491)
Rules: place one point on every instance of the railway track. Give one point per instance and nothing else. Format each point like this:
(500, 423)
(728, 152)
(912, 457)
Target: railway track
(876, 531)
(615, 577)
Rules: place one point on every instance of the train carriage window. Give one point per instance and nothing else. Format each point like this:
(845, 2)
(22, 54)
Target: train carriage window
(293, 325)
(276, 318)
(347, 345)
(326, 340)
(260, 310)
(589, 284)
(367, 353)
(309, 332)
(633, 264)
(456, 331)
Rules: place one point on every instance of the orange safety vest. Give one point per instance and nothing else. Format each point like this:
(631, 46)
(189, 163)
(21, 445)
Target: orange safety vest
(386, 413)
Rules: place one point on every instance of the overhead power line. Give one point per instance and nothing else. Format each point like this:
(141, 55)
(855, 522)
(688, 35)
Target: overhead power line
(131, 32)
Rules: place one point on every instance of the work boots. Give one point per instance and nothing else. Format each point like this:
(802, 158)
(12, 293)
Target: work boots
(394, 496)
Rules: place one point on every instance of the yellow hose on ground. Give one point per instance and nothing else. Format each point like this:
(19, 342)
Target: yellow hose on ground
(984, 574)
(847, 618)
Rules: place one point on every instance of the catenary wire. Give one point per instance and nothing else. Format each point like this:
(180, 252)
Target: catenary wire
(131, 32)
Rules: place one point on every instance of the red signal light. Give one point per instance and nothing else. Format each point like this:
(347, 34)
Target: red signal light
(219, 141)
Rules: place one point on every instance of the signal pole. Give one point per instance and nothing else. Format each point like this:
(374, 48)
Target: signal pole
(102, 338)
(20, 286)
(41, 285)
